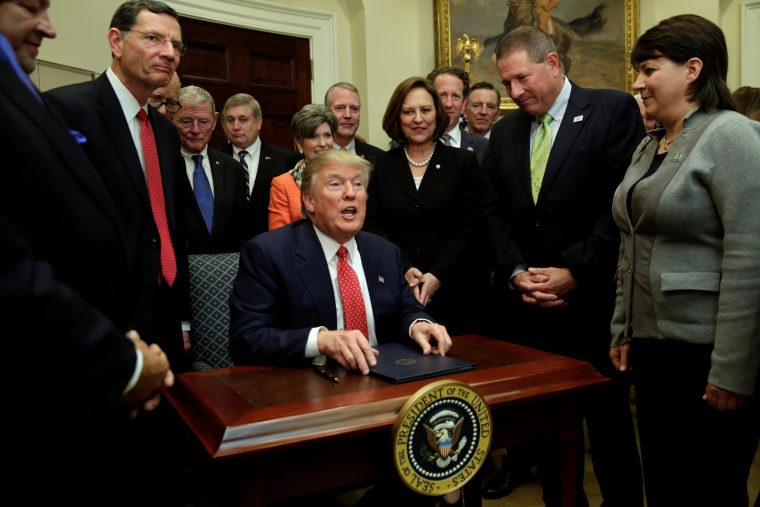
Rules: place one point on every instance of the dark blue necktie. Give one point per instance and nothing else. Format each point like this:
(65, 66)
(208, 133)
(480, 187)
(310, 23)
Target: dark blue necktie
(203, 193)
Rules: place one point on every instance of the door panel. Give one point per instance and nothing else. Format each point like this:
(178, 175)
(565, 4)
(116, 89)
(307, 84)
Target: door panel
(274, 68)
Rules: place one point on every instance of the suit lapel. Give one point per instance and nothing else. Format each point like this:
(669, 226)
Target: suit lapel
(72, 156)
(572, 123)
(519, 144)
(112, 117)
(313, 271)
(398, 168)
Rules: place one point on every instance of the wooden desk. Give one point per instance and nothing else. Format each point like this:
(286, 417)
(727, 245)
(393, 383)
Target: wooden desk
(276, 433)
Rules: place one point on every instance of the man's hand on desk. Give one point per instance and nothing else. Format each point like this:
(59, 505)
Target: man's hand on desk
(155, 375)
(349, 348)
(431, 337)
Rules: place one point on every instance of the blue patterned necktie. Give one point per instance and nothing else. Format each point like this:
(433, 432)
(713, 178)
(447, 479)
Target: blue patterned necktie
(203, 194)
(542, 145)
(246, 174)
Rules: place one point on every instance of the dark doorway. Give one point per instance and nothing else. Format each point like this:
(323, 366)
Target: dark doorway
(274, 68)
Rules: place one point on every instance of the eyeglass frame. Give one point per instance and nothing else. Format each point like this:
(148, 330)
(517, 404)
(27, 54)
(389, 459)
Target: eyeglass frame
(165, 103)
(157, 40)
(191, 123)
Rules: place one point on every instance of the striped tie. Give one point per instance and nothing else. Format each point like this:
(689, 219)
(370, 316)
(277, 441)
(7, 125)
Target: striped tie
(246, 174)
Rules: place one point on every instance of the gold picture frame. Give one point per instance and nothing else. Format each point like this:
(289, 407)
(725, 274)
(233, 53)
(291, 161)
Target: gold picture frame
(466, 32)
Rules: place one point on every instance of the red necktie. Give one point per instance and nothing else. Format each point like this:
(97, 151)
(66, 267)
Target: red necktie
(157, 203)
(354, 313)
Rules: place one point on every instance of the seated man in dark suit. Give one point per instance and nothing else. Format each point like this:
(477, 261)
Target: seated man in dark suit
(241, 121)
(289, 304)
(285, 306)
(212, 196)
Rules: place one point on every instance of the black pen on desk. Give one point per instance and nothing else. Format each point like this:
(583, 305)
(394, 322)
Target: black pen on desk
(326, 374)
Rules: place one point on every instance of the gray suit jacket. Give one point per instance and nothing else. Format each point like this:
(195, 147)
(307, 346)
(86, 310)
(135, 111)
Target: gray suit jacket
(689, 267)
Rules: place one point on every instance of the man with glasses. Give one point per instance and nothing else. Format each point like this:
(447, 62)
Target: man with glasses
(63, 274)
(212, 197)
(166, 98)
(136, 151)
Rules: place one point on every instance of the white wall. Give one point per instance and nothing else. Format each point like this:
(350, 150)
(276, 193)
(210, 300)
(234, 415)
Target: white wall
(373, 43)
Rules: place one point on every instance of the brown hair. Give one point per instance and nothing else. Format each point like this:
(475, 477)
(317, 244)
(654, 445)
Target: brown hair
(392, 116)
(687, 36)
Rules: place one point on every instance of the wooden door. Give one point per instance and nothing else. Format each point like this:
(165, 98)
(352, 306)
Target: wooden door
(274, 68)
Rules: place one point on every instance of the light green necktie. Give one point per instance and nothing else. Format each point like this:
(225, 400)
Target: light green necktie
(542, 145)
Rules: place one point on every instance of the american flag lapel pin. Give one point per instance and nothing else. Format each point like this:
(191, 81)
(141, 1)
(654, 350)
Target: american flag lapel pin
(380, 279)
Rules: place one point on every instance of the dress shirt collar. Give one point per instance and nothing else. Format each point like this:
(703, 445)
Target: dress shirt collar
(128, 102)
(252, 150)
(456, 136)
(330, 246)
(560, 105)
(349, 147)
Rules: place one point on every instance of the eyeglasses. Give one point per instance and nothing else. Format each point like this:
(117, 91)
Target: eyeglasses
(156, 40)
(187, 124)
(171, 105)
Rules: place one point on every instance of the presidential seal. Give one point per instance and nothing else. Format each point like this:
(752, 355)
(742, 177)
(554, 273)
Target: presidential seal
(441, 437)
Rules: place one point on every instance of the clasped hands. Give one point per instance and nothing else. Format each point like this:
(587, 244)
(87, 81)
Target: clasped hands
(545, 287)
(352, 350)
(156, 375)
(423, 285)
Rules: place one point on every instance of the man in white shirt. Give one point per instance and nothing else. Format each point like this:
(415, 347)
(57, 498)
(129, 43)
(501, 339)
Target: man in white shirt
(453, 86)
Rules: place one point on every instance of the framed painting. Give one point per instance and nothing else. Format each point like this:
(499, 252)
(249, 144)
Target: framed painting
(593, 37)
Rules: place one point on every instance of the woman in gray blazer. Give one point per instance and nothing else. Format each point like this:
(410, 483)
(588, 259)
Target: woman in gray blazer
(687, 313)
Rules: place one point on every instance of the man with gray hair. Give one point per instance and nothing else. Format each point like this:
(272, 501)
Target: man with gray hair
(343, 100)
(241, 121)
(212, 197)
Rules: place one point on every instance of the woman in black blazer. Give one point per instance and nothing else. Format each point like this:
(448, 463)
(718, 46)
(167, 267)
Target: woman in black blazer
(426, 197)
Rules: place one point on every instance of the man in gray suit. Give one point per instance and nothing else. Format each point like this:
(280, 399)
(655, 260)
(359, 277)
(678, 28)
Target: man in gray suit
(453, 86)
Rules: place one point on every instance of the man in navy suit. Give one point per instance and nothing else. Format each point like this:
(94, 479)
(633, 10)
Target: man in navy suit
(453, 86)
(196, 121)
(242, 120)
(556, 256)
(112, 112)
(285, 303)
(145, 39)
(63, 301)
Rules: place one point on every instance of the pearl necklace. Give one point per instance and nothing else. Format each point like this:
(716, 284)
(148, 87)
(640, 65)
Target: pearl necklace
(419, 164)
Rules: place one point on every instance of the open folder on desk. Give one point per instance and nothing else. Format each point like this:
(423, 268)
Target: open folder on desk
(404, 363)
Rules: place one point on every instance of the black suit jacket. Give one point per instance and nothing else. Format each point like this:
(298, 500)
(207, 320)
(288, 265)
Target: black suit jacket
(438, 227)
(229, 204)
(368, 151)
(273, 161)
(93, 109)
(63, 296)
(571, 225)
(478, 144)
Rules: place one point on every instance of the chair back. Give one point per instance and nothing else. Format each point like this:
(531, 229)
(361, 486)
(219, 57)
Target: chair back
(211, 277)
